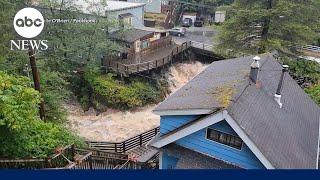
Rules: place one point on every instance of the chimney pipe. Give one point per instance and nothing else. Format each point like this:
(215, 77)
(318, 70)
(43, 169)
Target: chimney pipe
(277, 96)
(254, 71)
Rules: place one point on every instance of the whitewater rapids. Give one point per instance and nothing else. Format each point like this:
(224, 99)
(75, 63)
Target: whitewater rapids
(116, 126)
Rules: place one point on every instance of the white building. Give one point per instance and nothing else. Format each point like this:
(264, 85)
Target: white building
(127, 12)
(119, 11)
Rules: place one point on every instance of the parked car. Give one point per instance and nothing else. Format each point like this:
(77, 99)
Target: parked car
(177, 32)
(187, 22)
(198, 23)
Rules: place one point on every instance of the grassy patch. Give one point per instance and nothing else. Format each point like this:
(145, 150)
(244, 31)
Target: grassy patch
(110, 91)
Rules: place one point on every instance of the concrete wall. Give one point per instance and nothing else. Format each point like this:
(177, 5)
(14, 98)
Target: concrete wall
(197, 141)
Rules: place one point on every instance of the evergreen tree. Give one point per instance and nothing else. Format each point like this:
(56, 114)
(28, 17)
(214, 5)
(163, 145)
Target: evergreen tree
(264, 25)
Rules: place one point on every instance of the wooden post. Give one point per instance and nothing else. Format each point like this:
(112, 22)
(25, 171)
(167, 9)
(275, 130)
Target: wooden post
(140, 139)
(124, 146)
(115, 147)
(73, 151)
(36, 80)
(90, 162)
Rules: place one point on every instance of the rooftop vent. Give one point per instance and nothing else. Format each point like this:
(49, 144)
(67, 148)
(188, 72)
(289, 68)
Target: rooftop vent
(254, 71)
(277, 96)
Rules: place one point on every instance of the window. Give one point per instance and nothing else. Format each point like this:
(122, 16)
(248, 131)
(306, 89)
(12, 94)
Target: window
(127, 20)
(223, 138)
(145, 44)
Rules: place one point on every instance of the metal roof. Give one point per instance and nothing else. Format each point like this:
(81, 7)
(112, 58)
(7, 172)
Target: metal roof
(121, 5)
(130, 35)
(89, 7)
(288, 136)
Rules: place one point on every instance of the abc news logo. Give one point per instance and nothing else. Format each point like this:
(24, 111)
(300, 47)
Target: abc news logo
(28, 23)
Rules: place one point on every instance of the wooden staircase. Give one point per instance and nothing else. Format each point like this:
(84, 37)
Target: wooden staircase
(129, 154)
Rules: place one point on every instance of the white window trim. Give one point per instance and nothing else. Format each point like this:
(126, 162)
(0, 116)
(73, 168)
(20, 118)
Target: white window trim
(318, 153)
(160, 160)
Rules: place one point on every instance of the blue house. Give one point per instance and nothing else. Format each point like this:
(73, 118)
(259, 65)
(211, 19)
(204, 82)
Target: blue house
(239, 113)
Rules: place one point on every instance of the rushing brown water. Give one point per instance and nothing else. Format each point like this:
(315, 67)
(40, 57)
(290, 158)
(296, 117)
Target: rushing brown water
(116, 126)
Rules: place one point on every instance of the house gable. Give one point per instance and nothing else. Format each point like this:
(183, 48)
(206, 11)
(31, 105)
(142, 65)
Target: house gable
(190, 132)
(198, 142)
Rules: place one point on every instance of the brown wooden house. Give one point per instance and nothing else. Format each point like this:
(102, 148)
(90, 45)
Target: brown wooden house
(143, 49)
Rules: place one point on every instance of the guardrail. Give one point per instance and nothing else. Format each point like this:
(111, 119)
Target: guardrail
(203, 46)
(310, 48)
(125, 146)
(127, 69)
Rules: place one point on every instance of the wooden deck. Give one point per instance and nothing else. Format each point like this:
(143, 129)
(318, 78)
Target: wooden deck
(135, 146)
(156, 59)
(129, 154)
(124, 146)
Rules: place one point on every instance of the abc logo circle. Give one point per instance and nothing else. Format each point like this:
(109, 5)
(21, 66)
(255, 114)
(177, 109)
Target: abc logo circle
(28, 22)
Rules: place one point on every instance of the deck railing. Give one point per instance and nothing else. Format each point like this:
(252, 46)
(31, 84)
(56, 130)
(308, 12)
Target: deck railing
(60, 159)
(127, 69)
(203, 46)
(95, 159)
(125, 146)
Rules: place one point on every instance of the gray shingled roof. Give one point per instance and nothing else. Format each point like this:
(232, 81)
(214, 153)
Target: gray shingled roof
(202, 92)
(287, 137)
(130, 35)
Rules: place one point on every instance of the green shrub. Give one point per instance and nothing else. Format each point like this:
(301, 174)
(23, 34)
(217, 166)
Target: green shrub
(54, 93)
(314, 93)
(115, 93)
(304, 68)
(22, 133)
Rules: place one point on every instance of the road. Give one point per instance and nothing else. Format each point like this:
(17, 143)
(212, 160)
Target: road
(198, 34)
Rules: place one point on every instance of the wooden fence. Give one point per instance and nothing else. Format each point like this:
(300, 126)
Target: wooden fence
(127, 69)
(96, 159)
(73, 158)
(100, 155)
(60, 159)
(125, 146)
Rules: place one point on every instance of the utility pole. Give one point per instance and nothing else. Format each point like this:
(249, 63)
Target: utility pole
(36, 79)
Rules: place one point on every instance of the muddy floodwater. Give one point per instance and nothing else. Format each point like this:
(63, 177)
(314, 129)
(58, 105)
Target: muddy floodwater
(116, 126)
